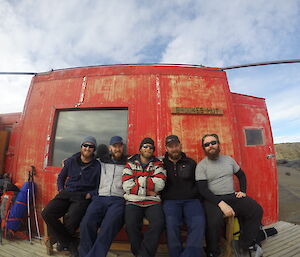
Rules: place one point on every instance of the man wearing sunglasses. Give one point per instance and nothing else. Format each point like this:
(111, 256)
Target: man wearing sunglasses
(143, 179)
(181, 202)
(77, 182)
(214, 175)
(105, 215)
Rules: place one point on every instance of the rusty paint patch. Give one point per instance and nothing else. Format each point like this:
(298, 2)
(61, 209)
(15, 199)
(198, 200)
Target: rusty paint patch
(83, 87)
(158, 114)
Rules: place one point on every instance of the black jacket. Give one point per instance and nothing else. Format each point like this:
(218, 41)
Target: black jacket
(180, 184)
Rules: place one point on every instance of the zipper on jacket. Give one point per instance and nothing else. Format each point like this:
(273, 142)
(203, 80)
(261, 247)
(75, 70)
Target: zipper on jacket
(112, 179)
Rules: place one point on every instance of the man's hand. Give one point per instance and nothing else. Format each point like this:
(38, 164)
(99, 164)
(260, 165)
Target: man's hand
(151, 193)
(88, 196)
(240, 194)
(226, 209)
(142, 181)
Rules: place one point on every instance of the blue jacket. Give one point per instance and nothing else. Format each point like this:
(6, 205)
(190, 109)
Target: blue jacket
(74, 179)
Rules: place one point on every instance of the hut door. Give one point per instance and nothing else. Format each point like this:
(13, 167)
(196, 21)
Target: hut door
(258, 158)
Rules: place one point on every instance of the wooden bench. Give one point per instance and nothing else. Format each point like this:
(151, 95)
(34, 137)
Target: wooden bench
(117, 246)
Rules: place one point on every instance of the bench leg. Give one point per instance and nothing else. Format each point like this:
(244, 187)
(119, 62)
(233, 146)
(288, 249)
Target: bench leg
(228, 236)
(48, 242)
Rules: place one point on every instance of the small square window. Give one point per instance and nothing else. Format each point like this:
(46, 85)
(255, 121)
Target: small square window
(254, 136)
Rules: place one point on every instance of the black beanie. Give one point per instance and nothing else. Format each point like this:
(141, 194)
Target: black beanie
(147, 140)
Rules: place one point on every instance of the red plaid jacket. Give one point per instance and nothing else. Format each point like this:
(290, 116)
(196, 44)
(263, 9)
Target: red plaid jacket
(138, 182)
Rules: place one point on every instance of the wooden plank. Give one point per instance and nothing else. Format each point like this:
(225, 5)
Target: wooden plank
(286, 243)
(24, 248)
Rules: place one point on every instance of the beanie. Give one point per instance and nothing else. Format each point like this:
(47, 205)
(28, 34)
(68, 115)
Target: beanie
(147, 140)
(89, 139)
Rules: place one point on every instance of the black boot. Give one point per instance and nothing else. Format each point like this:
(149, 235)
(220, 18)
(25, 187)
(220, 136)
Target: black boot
(73, 248)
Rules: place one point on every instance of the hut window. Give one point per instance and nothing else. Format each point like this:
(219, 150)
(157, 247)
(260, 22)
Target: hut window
(73, 125)
(254, 136)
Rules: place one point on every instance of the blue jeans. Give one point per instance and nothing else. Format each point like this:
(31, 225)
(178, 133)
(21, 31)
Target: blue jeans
(107, 214)
(191, 213)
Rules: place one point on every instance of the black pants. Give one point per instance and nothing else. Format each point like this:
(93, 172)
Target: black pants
(71, 206)
(144, 245)
(249, 214)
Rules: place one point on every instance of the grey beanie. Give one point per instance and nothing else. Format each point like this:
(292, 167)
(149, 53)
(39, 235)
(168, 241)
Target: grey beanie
(89, 139)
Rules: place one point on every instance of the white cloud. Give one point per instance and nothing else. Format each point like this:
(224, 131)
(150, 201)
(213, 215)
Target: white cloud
(287, 139)
(233, 32)
(13, 93)
(41, 35)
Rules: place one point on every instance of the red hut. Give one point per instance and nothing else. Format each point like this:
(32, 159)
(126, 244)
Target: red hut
(135, 101)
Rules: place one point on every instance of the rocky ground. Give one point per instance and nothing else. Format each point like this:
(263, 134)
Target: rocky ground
(289, 192)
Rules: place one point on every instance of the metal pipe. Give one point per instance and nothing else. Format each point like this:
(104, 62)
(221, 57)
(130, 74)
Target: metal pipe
(260, 64)
(164, 64)
(18, 73)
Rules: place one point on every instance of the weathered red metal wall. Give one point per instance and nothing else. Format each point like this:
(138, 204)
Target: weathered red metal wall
(8, 121)
(150, 93)
(258, 161)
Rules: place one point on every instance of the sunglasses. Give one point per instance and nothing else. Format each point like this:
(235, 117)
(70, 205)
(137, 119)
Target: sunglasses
(210, 143)
(148, 146)
(87, 145)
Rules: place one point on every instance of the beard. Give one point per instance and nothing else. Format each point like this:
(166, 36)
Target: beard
(146, 154)
(116, 155)
(213, 153)
(175, 155)
(86, 153)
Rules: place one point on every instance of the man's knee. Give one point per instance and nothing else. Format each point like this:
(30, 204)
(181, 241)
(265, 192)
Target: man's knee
(132, 221)
(198, 223)
(254, 209)
(258, 211)
(215, 222)
(46, 214)
(157, 224)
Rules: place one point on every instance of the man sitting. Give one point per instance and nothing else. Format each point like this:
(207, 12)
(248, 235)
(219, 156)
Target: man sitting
(143, 179)
(105, 215)
(76, 183)
(181, 202)
(215, 183)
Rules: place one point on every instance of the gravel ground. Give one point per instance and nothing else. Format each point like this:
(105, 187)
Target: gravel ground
(289, 194)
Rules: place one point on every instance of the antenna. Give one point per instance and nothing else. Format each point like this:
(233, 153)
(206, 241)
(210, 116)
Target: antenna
(18, 73)
(260, 64)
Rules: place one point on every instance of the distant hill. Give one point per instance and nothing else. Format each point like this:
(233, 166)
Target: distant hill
(287, 151)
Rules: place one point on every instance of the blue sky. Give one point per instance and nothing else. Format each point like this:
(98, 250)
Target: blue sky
(42, 35)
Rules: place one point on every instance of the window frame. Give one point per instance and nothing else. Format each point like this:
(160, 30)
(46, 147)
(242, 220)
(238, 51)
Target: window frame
(254, 128)
(54, 114)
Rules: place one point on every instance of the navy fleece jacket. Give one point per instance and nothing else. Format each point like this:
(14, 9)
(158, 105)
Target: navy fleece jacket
(75, 179)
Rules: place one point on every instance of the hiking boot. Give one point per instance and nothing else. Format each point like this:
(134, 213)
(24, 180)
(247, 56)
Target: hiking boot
(255, 251)
(49, 247)
(212, 255)
(73, 248)
(238, 251)
(61, 247)
(236, 248)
